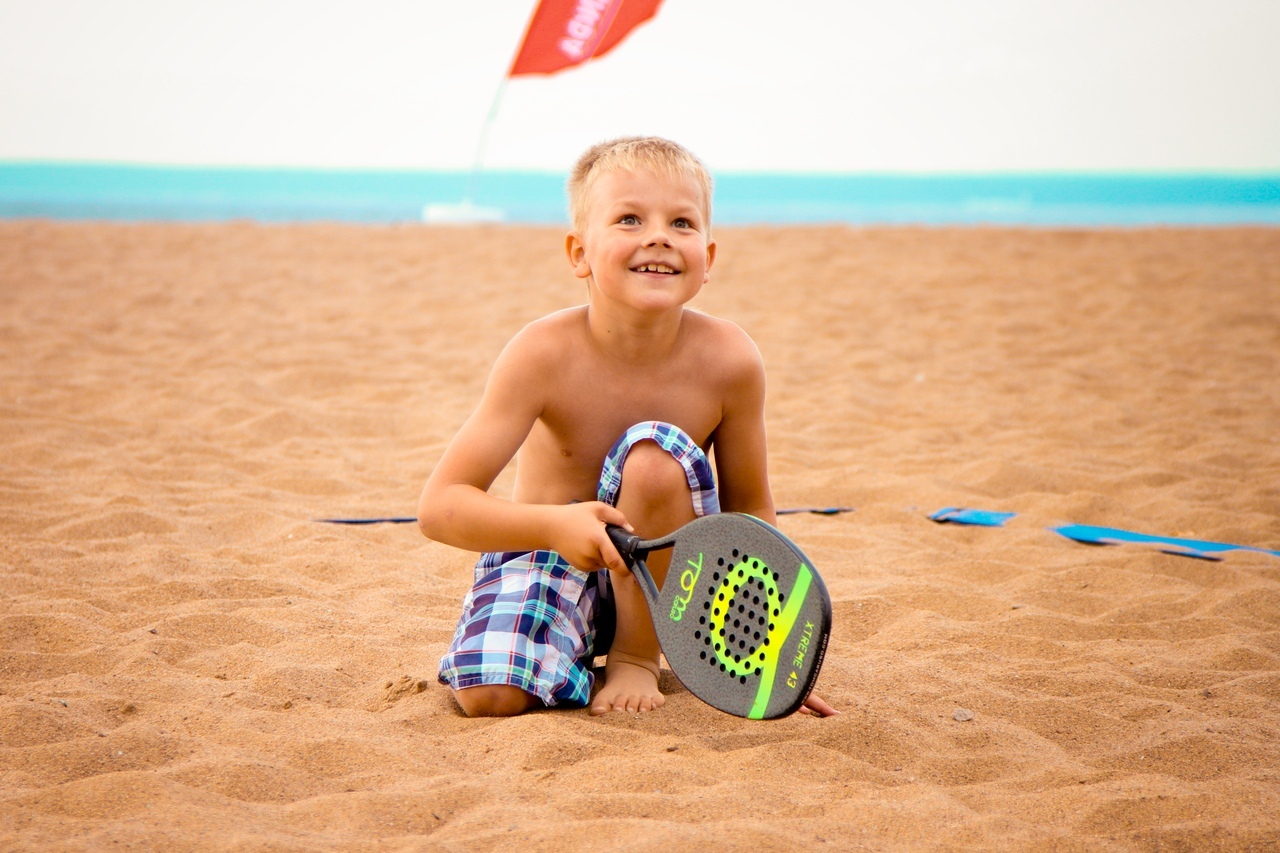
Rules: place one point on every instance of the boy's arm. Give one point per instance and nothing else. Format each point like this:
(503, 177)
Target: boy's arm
(455, 507)
(742, 471)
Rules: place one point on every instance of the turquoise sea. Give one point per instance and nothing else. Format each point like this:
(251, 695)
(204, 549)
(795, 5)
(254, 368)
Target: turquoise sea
(167, 193)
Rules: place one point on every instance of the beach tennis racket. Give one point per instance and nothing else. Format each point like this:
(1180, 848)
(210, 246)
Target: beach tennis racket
(743, 617)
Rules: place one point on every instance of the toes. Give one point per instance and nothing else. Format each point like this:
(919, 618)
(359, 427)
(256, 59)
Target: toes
(628, 704)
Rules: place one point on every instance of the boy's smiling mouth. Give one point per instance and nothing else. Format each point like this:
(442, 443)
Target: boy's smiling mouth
(658, 268)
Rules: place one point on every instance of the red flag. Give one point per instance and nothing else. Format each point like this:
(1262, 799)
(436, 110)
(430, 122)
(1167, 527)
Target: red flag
(564, 33)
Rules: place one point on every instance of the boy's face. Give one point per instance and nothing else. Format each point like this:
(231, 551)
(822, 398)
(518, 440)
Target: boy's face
(645, 242)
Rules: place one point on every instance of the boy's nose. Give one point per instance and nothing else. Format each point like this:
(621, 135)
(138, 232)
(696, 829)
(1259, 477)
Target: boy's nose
(657, 236)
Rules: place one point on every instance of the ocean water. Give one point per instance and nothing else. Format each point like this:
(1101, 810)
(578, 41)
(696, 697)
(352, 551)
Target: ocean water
(163, 193)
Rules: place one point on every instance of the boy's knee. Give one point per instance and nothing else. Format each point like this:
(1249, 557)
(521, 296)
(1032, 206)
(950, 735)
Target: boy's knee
(652, 473)
(495, 700)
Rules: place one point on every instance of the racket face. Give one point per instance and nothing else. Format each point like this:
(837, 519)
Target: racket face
(743, 617)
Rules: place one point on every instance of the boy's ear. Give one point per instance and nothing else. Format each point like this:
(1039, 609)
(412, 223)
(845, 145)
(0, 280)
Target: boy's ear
(711, 259)
(577, 253)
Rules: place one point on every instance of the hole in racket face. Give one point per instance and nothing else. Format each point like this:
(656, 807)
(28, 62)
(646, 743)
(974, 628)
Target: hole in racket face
(744, 600)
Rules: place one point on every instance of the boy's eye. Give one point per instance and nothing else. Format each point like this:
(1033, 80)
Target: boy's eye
(682, 223)
(629, 219)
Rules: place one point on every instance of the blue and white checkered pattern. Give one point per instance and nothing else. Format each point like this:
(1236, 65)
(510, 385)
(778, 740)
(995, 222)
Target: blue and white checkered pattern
(533, 621)
(673, 440)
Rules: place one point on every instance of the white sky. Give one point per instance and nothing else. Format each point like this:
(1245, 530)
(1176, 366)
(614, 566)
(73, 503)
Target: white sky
(822, 85)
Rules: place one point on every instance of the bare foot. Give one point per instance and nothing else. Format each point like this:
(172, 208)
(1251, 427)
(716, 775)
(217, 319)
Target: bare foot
(630, 684)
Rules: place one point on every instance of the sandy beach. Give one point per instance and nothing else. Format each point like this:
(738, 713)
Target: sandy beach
(190, 661)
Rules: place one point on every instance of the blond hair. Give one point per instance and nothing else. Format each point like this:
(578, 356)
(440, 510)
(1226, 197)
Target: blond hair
(631, 154)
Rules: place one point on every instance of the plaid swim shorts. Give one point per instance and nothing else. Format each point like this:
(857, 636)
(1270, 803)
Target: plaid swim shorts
(533, 621)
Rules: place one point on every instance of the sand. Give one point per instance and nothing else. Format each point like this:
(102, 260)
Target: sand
(188, 661)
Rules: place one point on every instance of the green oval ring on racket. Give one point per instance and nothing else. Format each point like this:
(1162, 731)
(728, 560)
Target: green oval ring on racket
(743, 617)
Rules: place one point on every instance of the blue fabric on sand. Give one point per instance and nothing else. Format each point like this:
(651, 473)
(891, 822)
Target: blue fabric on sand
(965, 515)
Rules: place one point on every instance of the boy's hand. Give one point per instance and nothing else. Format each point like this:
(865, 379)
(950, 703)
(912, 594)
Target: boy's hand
(580, 536)
(817, 707)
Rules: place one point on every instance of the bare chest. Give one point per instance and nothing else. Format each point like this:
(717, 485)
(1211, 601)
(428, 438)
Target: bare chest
(590, 409)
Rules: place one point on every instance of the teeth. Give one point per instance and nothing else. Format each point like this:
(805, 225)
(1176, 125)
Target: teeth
(655, 268)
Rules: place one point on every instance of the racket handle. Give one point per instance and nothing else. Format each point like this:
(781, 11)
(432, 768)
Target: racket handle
(625, 542)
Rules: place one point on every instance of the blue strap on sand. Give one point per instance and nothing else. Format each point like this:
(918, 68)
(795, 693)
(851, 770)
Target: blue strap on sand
(815, 510)
(826, 510)
(396, 520)
(1197, 548)
(978, 517)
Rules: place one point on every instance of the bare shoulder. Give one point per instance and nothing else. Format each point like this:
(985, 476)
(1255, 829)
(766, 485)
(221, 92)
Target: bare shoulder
(724, 344)
(546, 339)
(559, 322)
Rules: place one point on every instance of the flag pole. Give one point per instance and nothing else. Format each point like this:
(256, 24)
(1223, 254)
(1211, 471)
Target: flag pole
(482, 146)
(468, 210)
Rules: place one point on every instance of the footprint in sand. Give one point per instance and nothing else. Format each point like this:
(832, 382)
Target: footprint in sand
(394, 691)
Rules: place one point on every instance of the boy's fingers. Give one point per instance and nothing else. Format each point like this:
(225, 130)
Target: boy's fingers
(613, 559)
(818, 707)
(612, 515)
(609, 555)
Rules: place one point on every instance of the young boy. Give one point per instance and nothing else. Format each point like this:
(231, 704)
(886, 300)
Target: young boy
(610, 410)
